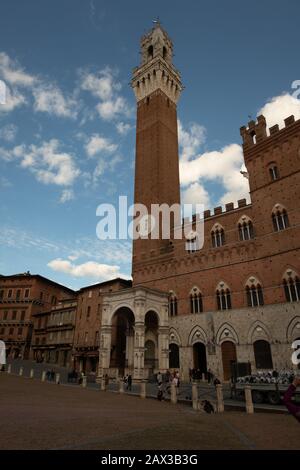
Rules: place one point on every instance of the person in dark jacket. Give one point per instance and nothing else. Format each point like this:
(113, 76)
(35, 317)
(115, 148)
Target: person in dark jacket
(287, 399)
(129, 382)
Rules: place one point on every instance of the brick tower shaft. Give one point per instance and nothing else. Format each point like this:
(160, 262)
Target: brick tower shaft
(157, 87)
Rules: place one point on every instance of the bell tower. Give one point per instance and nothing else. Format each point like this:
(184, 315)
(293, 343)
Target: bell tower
(157, 87)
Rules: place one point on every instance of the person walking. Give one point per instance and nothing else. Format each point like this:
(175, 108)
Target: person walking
(129, 382)
(159, 378)
(287, 399)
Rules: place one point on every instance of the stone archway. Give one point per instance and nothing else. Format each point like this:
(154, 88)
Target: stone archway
(131, 317)
(199, 358)
(151, 342)
(174, 361)
(122, 334)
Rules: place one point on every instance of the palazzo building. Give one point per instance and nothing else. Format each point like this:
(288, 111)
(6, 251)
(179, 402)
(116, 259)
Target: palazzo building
(22, 297)
(237, 298)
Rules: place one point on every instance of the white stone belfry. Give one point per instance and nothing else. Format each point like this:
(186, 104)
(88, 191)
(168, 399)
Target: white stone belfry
(156, 70)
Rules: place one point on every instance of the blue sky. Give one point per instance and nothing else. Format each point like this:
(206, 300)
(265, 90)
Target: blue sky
(67, 132)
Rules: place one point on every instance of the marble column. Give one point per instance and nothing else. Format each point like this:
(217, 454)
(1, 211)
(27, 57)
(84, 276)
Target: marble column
(104, 350)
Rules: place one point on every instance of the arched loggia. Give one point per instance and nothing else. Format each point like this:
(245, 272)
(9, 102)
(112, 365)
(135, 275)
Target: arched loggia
(121, 355)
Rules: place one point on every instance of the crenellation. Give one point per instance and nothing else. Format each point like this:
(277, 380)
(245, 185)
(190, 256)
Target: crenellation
(218, 210)
(274, 129)
(229, 206)
(242, 202)
(289, 121)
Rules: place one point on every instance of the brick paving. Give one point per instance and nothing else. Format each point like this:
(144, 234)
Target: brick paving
(36, 415)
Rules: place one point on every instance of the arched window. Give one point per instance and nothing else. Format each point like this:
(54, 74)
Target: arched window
(173, 307)
(174, 356)
(254, 293)
(164, 52)
(223, 297)
(192, 242)
(217, 236)
(291, 285)
(196, 305)
(245, 227)
(263, 355)
(150, 52)
(279, 218)
(273, 170)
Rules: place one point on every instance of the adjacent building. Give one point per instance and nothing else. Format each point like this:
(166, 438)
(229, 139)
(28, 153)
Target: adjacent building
(22, 296)
(53, 336)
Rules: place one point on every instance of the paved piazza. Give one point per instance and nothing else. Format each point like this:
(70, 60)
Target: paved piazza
(36, 415)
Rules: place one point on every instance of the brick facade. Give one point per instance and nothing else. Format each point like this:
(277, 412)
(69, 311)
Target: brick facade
(22, 296)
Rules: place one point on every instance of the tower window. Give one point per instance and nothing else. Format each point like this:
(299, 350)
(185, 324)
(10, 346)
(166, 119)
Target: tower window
(253, 136)
(280, 219)
(150, 52)
(148, 100)
(273, 170)
(246, 231)
(173, 307)
(254, 295)
(196, 304)
(223, 297)
(164, 52)
(218, 237)
(192, 242)
(291, 285)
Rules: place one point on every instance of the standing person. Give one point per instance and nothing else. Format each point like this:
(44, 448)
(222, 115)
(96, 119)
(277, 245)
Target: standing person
(216, 381)
(175, 381)
(159, 378)
(160, 394)
(287, 399)
(129, 382)
(168, 376)
(106, 379)
(177, 375)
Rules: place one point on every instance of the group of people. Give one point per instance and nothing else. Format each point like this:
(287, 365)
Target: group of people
(163, 381)
(209, 376)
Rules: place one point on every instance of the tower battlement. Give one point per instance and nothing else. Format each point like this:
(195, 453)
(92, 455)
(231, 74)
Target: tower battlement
(255, 135)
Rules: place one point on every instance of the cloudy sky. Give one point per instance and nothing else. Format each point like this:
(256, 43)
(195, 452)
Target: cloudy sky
(67, 130)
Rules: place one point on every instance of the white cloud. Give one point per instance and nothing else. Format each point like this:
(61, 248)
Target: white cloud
(123, 128)
(190, 140)
(196, 169)
(98, 144)
(280, 107)
(13, 73)
(13, 99)
(105, 86)
(110, 109)
(50, 99)
(47, 96)
(47, 162)
(102, 84)
(8, 132)
(196, 194)
(67, 195)
(101, 272)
